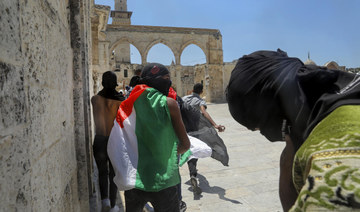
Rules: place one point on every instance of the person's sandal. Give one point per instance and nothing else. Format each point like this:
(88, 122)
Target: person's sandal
(182, 206)
(194, 185)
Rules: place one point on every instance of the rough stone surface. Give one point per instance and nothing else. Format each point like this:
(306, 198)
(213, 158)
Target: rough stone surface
(39, 150)
(249, 183)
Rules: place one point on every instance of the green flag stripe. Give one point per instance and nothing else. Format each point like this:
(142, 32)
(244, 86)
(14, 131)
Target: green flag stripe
(157, 143)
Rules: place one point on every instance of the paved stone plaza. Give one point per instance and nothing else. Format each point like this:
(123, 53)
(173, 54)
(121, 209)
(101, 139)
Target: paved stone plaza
(250, 183)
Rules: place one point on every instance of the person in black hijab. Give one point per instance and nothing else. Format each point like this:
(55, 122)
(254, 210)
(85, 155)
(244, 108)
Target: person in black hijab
(287, 100)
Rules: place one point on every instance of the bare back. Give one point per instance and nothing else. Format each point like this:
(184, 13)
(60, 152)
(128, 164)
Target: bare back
(104, 111)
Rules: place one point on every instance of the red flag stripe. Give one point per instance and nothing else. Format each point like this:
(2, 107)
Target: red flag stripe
(126, 106)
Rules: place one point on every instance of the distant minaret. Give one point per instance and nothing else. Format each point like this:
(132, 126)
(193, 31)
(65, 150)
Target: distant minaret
(120, 5)
(120, 16)
(309, 61)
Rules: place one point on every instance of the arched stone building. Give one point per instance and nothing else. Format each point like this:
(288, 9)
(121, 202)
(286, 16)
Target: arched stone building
(114, 40)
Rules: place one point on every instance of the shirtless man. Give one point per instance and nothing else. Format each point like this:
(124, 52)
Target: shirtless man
(105, 105)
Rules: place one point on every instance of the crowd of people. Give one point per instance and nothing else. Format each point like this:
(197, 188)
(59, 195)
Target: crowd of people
(142, 136)
(140, 139)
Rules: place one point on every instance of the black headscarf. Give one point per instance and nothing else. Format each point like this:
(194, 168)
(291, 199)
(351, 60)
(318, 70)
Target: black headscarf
(268, 87)
(109, 82)
(134, 81)
(152, 74)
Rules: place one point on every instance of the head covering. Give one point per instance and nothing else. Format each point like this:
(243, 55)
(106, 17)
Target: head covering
(152, 75)
(134, 81)
(268, 87)
(109, 82)
(198, 88)
(258, 84)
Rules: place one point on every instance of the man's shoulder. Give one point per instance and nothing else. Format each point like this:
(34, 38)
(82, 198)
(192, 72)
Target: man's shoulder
(172, 103)
(188, 96)
(95, 98)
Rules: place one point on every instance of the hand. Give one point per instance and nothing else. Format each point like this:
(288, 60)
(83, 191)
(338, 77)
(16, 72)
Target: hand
(220, 128)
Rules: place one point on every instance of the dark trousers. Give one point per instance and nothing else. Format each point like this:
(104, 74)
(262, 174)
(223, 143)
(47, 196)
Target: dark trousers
(192, 167)
(106, 171)
(166, 200)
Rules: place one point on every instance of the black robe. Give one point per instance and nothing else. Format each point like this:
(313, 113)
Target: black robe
(199, 127)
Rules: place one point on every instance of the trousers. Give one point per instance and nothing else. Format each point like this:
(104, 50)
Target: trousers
(166, 200)
(106, 171)
(192, 167)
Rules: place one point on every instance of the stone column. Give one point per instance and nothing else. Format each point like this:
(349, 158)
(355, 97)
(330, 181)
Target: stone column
(122, 53)
(121, 5)
(104, 56)
(214, 83)
(178, 74)
(81, 45)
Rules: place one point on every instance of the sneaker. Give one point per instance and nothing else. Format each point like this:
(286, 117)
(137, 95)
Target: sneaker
(115, 209)
(105, 205)
(182, 206)
(195, 186)
(148, 208)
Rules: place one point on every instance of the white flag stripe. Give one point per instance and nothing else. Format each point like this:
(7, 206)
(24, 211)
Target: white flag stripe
(198, 148)
(123, 153)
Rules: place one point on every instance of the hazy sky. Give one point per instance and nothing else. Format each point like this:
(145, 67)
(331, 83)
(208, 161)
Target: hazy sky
(328, 29)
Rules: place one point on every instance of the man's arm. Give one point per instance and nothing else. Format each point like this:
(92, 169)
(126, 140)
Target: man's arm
(208, 117)
(178, 125)
(287, 191)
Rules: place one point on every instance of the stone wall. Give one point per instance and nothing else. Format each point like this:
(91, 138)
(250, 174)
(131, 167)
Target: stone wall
(228, 67)
(353, 70)
(44, 109)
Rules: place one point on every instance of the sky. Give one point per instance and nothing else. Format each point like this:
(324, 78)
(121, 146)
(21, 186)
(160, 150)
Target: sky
(328, 30)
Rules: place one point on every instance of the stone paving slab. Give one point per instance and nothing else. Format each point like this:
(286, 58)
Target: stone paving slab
(248, 184)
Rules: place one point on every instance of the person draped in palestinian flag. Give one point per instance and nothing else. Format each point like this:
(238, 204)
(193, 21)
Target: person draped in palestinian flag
(144, 144)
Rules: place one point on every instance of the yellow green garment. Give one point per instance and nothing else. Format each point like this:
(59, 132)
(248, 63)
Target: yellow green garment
(326, 169)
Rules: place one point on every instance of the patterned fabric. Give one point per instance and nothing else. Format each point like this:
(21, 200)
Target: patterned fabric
(326, 169)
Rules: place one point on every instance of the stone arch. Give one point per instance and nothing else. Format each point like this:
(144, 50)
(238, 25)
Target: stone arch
(176, 39)
(332, 65)
(198, 44)
(128, 40)
(162, 41)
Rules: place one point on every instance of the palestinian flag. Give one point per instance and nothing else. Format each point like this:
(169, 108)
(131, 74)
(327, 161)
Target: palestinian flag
(142, 146)
(198, 149)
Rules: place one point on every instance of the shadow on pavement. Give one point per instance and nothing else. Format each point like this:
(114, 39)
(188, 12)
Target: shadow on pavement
(206, 188)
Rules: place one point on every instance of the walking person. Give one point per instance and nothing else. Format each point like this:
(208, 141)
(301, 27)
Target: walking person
(196, 101)
(105, 105)
(133, 81)
(144, 144)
